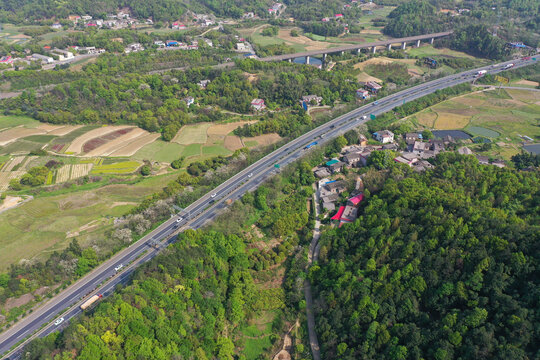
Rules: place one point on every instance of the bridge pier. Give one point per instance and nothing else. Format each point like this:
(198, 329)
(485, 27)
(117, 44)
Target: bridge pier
(307, 60)
(389, 47)
(431, 41)
(374, 50)
(403, 45)
(417, 43)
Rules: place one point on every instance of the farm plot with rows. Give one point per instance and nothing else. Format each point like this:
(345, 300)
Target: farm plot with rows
(5, 177)
(63, 174)
(80, 170)
(125, 167)
(99, 141)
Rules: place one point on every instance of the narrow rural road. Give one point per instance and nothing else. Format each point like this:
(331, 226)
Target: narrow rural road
(508, 87)
(313, 255)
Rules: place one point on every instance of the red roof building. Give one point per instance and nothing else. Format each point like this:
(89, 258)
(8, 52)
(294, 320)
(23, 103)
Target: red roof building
(356, 200)
(339, 213)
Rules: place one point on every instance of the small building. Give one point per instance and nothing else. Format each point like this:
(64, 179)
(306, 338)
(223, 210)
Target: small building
(419, 147)
(242, 47)
(203, 83)
(325, 19)
(6, 60)
(336, 167)
(428, 154)
(64, 53)
(328, 206)
(384, 136)
(362, 140)
(322, 173)
(350, 213)
(44, 59)
(411, 138)
(258, 104)
(56, 26)
(437, 145)
(352, 159)
(338, 16)
(499, 163)
(170, 43)
(248, 15)
(391, 146)
(363, 94)
(311, 100)
(483, 160)
(189, 100)
(422, 165)
(402, 160)
(464, 151)
(356, 200)
(373, 87)
(159, 44)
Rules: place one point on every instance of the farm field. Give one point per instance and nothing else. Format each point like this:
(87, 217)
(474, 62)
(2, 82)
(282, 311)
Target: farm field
(45, 224)
(499, 116)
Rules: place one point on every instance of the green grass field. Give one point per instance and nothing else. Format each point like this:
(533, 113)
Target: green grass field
(159, 150)
(215, 150)
(192, 134)
(481, 131)
(9, 121)
(38, 227)
(191, 150)
(42, 139)
(429, 50)
(20, 146)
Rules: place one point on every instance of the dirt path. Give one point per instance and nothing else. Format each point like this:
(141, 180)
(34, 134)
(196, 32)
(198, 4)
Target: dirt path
(313, 255)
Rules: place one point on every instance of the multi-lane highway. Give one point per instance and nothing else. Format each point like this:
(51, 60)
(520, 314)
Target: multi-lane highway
(104, 278)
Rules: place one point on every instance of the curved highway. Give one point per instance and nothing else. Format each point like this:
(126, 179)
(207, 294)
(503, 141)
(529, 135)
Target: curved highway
(104, 278)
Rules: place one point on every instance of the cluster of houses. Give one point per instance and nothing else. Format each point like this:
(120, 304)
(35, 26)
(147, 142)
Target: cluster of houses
(120, 20)
(174, 44)
(275, 9)
(416, 155)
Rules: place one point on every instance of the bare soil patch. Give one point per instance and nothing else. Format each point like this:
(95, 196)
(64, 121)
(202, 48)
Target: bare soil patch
(9, 136)
(125, 137)
(16, 302)
(226, 129)
(64, 130)
(377, 60)
(134, 146)
(267, 139)
(446, 121)
(364, 77)
(76, 146)
(527, 82)
(285, 35)
(233, 143)
(9, 202)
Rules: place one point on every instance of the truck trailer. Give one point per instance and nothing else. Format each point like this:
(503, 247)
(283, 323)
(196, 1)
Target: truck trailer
(90, 301)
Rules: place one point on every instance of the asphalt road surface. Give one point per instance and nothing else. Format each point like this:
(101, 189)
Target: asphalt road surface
(104, 278)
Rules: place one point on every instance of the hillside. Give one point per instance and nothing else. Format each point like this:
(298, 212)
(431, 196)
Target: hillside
(439, 266)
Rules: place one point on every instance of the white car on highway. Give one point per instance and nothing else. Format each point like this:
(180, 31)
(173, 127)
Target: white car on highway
(213, 195)
(59, 321)
(250, 175)
(179, 219)
(118, 267)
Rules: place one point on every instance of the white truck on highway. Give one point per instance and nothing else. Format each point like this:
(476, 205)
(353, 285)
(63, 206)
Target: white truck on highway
(509, 66)
(90, 301)
(481, 73)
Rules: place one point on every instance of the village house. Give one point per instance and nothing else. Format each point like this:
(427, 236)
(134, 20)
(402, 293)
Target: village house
(134, 47)
(189, 100)
(419, 147)
(338, 16)
(464, 151)
(325, 19)
(62, 54)
(362, 94)
(42, 58)
(311, 100)
(74, 18)
(56, 26)
(333, 187)
(422, 165)
(437, 145)
(411, 138)
(242, 47)
(6, 60)
(322, 173)
(248, 15)
(362, 140)
(384, 136)
(203, 83)
(159, 43)
(407, 160)
(335, 166)
(499, 163)
(258, 104)
(352, 159)
(373, 87)
(391, 146)
(483, 160)
(428, 154)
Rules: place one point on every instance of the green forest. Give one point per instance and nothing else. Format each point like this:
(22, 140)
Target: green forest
(441, 265)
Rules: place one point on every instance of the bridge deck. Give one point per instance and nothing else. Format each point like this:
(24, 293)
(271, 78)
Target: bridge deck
(355, 46)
